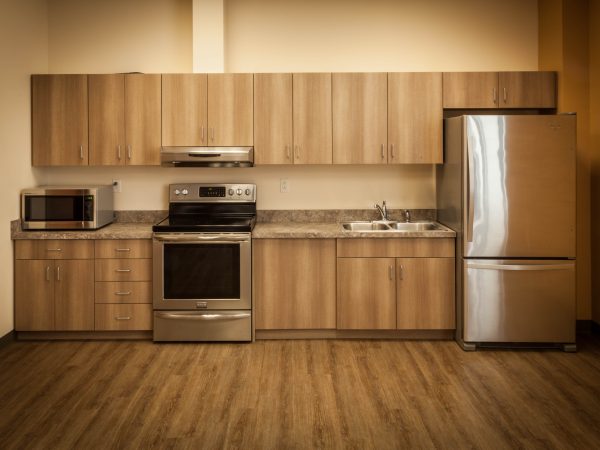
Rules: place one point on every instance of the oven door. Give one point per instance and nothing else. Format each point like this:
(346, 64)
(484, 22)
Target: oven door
(198, 271)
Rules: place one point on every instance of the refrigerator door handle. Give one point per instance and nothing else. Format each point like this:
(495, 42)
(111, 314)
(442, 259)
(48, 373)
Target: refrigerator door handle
(520, 266)
(470, 191)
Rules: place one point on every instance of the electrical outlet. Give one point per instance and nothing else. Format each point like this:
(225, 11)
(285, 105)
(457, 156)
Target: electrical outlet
(284, 185)
(116, 185)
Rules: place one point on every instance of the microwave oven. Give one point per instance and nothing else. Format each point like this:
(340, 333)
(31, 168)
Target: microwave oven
(66, 207)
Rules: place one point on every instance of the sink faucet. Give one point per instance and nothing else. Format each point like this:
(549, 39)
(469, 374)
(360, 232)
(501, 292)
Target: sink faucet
(382, 210)
(406, 215)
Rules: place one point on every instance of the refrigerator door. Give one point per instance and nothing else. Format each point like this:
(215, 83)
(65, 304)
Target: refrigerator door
(519, 301)
(519, 191)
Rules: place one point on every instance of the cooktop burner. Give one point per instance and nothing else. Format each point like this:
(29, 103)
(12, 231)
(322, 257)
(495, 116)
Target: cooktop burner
(205, 208)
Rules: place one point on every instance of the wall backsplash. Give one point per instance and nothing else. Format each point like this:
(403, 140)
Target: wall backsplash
(311, 187)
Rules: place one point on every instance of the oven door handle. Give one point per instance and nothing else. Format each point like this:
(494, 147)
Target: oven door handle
(202, 238)
(206, 317)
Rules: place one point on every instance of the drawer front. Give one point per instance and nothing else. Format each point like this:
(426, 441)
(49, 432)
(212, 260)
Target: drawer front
(54, 249)
(396, 248)
(123, 292)
(123, 248)
(123, 270)
(110, 317)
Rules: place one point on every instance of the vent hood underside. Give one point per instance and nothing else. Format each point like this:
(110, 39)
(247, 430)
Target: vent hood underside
(207, 156)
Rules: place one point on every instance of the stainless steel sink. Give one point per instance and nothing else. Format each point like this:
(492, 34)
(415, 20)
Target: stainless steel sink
(391, 227)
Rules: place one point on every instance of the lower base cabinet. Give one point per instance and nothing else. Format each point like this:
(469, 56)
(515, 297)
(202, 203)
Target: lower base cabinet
(123, 317)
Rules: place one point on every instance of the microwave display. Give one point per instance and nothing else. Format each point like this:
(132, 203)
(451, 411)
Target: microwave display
(59, 208)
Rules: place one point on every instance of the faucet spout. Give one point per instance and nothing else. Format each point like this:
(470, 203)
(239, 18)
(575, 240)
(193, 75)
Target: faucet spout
(406, 215)
(382, 210)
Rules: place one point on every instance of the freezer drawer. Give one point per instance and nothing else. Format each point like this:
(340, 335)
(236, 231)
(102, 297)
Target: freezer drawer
(530, 301)
(203, 325)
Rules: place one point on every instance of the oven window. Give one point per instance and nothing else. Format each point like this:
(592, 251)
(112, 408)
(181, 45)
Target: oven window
(48, 208)
(201, 271)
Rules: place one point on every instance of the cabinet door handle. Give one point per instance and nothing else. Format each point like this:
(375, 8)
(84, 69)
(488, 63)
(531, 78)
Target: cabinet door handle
(123, 249)
(504, 94)
(123, 293)
(392, 151)
(391, 272)
(57, 273)
(119, 152)
(81, 152)
(287, 151)
(54, 249)
(47, 273)
(382, 152)
(202, 133)
(212, 133)
(495, 96)
(297, 151)
(129, 151)
(401, 275)
(122, 317)
(122, 270)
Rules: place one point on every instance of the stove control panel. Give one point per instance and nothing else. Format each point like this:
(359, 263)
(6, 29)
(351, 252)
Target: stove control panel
(201, 192)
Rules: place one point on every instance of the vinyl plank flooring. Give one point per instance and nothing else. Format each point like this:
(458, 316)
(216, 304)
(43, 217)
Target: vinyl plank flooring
(346, 394)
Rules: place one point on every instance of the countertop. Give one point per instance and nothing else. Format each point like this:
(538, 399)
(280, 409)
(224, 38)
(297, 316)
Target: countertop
(117, 230)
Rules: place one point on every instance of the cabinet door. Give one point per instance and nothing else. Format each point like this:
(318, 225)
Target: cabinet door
(273, 118)
(230, 109)
(294, 283)
(59, 120)
(142, 119)
(415, 118)
(425, 293)
(470, 89)
(184, 121)
(74, 295)
(527, 89)
(360, 109)
(107, 119)
(312, 118)
(366, 293)
(34, 295)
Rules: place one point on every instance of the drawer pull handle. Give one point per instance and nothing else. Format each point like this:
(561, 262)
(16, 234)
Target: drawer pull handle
(123, 249)
(122, 270)
(122, 318)
(47, 273)
(54, 249)
(123, 293)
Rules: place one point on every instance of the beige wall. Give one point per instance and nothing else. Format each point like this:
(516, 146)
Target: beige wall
(94, 36)
(22, 22)
(594, 15)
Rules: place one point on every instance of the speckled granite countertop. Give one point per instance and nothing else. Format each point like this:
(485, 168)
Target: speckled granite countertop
(282, 230)
(117, 230)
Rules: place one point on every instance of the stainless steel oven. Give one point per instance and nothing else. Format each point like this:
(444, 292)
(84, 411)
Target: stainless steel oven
(202, 263)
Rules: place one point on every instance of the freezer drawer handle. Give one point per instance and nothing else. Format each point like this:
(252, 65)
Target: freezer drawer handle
(520, 266)
(203, 316)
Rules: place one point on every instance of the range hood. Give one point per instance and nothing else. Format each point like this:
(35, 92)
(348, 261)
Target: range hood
(207, 156)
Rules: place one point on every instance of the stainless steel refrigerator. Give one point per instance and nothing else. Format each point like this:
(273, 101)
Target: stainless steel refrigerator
(507, 187)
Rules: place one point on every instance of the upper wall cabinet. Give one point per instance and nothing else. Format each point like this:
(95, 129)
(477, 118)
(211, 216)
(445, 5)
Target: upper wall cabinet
(124, 113)
(360, 118)
(415, 118)
(483, 90)
(207, 110)
(59, 110)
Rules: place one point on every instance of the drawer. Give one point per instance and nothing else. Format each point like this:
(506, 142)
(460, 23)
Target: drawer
(110, 317)
(123, 270)
(123, 248)
(54, 249)
(123, 291)
(396, 248)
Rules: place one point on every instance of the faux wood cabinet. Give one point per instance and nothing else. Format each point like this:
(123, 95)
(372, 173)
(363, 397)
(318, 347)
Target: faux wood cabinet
(485, 90)
(123, 288)
(395, 284)
(294, 283)
(55, 293)
(59, 120)
(207, 110)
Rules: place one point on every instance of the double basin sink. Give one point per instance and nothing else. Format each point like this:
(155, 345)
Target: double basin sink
(391, 226)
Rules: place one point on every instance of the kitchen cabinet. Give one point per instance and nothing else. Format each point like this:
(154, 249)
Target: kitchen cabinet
(415, 118)
(207, 110)
(59, 120)
(484, 90)
(123, 287)
(55, 293)
(395, 283)
(273, 130)
(360, 115)
(312, 119)
(366, 293)
(294, 283)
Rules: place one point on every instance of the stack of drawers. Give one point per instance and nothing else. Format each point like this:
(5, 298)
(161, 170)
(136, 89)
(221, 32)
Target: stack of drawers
(123, 286)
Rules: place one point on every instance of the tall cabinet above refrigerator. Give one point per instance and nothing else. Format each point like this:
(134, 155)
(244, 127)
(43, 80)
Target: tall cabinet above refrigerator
(508, 190)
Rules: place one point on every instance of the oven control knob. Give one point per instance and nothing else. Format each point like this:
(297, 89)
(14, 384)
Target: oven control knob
(185, 192)
(239, 191)
(177, 192)
(247, 191)
(230, 191)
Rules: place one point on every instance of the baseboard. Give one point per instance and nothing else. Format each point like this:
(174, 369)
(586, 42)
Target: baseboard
(82, 335)
(7, 338)
(356, 334)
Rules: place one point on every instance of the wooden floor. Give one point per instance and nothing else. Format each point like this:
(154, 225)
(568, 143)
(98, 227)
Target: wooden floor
(296, 394)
